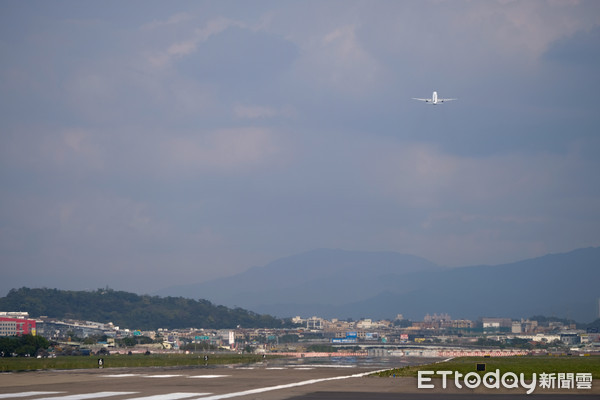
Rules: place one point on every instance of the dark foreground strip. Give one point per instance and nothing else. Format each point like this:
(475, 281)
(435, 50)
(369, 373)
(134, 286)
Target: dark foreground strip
(437, 396)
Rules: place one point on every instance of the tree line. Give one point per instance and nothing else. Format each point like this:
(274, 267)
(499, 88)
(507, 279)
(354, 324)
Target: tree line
(129, 310)
(26, 345)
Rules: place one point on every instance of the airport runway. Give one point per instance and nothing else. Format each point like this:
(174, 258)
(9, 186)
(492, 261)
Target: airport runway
(263, 381)
(433, 396)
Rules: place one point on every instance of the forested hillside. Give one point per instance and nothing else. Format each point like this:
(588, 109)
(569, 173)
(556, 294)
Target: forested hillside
(129, 310)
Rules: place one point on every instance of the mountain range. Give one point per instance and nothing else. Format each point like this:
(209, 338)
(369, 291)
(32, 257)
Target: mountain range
(354, 284)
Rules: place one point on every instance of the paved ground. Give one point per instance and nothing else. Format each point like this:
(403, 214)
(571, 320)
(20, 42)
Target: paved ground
(266, 382)
(432, 396)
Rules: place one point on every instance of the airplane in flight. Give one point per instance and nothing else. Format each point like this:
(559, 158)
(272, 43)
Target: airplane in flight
(434, 99)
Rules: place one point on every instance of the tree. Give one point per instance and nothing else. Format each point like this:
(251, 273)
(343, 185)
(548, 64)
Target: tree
(128, 342)
(321, 348)
(143, 340)
(289, 338)
(26, 345)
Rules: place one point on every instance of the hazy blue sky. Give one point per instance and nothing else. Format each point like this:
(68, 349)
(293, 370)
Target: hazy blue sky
(145, 144)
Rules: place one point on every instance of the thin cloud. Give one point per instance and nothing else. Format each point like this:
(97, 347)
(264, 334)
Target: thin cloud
(222, 150)
(177, 50)
(175, 19)
(262, 112)
(337, 60)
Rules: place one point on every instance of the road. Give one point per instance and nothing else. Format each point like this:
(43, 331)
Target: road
(262, 381)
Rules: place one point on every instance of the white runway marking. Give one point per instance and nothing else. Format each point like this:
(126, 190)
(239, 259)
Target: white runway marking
(88, 396)
(170, 396)
(208, 376)
(161, 376)
(25, 394)
(286, 386)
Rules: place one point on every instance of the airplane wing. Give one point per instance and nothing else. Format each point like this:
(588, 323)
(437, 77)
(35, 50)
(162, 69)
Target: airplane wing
(416, 98)
(442, 100)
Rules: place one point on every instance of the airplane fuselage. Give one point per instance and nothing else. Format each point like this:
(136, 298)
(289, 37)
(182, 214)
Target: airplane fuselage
(434, 99)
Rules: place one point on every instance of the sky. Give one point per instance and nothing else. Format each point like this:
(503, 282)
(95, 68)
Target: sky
(145, 144)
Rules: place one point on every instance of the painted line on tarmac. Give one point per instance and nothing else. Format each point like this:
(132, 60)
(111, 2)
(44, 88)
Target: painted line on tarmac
(285, 386)
(160, 376)
(171, 396)
(86, 396)
(25, 394)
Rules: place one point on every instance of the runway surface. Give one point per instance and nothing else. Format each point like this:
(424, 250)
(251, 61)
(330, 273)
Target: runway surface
(266, 381)
(433, 396)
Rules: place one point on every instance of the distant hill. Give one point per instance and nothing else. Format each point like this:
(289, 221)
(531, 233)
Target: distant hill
(333, 277)
(129, 310)
(341, 284)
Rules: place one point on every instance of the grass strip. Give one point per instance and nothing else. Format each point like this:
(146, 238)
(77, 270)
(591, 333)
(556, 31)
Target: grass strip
(518, 364)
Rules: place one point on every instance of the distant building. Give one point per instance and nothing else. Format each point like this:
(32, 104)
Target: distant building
(14, 314)
(314, 323)
(17, 326)
(462, 324)
(364, 324)
(437, 318)
(57, 330)
(570, 338)
(516, 327)
(497, 324)
(524, 326)
(336, 325)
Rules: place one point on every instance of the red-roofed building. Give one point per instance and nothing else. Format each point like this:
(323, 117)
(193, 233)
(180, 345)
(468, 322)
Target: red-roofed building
(17, 326)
